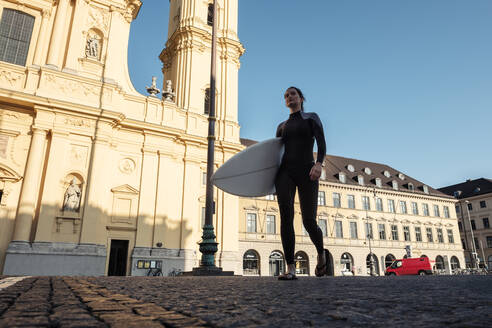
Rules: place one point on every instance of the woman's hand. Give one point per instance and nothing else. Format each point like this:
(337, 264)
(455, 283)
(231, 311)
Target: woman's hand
(315, 171)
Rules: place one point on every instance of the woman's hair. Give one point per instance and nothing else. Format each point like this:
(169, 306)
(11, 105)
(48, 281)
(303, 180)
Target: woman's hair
(299, 92)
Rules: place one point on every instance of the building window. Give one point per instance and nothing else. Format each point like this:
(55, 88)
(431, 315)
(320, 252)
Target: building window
(483, 204)
(474, 227)
(436, 211)
(415, 208)
(426, 189)
(382, 231)
(270, 197)
(403, 207)
(351, 201)
(489, 241)
(251, 222)
(463, 243)
(210, 15)
(251, 263)
(360, 179)
(394, 184)
(425, 209)
(369, 234)
(378, 182)
(486, 223)
(477, 245)
(406, 233)
(460, 226)
(365, 203)
(342, 177)
(270, 224)
(470, 207)
(353, 230)
(338, 229)
(450, 236)
(446, 211)
(321, 198)
(206, 104)
(323, 226)
(430, 239)
(440, 237)
(418, 234)
(394, 232)
(336, 200)
(457, 208)
(391, 206)
(410, 187)
(15, 36)
(379, 204)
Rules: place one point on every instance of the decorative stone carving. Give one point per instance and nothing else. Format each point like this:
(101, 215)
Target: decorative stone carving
(71, 200)
(127, 166)
(99, 18)
(4, 141)
(77, 122)
(70, 87)
(11, 78)
(78, 155)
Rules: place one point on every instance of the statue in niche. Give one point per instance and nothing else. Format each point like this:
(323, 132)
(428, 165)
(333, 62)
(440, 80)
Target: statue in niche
(71, 201)
(92, 47)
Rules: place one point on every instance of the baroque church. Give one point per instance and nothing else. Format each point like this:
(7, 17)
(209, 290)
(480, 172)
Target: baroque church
(95, 178)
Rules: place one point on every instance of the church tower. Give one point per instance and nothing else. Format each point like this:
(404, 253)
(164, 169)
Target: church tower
(186, 60)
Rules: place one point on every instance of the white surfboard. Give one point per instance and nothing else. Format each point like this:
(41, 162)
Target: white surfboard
(251, 173)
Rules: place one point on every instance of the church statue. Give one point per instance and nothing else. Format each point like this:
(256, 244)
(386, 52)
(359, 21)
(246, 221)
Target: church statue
(71, 201)
(92, 47)
(152, 90)
(168, 94)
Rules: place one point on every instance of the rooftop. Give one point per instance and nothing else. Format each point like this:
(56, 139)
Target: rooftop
(469, 188)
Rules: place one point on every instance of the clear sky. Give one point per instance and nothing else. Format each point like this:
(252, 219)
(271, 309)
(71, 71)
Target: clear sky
(404, 83)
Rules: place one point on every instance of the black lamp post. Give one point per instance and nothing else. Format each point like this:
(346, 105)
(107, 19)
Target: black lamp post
(208, 244)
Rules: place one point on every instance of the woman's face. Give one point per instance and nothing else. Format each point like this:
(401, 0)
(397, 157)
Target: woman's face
(292, 99)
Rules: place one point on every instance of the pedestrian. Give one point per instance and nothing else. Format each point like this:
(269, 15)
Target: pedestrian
(298, 170)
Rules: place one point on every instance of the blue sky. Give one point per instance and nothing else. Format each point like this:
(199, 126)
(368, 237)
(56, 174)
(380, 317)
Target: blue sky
(404, 83)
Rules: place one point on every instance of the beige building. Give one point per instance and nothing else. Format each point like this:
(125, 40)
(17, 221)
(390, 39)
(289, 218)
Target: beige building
(356, 199)
(96, 178)
(474, 210)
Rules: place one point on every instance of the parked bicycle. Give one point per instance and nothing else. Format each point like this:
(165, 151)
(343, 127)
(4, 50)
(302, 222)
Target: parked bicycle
(175, 272)
(154, 272)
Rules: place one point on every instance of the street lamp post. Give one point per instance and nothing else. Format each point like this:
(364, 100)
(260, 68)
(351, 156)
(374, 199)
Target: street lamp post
(208, 245)
(474, 254)
(369, 233)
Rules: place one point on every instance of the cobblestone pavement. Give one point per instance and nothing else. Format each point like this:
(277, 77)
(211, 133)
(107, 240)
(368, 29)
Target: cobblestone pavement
(427, 301)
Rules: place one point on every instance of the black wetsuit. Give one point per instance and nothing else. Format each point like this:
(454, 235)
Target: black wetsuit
(298, 134)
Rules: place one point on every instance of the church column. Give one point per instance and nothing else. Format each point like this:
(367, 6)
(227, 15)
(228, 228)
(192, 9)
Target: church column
(30, 186)
(93, 229)
(50, 201)
(58, 31)
(43, 36)
(76, 39)
(146, 206)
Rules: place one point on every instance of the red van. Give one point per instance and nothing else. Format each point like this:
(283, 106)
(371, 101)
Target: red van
(410, 266)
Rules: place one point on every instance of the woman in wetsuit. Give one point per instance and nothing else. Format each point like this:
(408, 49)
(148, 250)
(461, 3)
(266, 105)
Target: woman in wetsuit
(298, 169)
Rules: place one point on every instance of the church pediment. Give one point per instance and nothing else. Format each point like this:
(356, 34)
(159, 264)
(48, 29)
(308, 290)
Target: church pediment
(127, 189)
(6, 173)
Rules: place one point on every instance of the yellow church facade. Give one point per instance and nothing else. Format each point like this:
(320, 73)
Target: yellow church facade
(96, 178)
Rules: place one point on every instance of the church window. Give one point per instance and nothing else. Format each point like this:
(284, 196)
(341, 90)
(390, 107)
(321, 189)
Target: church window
(210, 15)
(15, 36)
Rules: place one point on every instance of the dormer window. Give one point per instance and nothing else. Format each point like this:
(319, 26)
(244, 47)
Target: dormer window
(367, 171)
(323, 174)
(401, 176)
(426, 189)
(394, 184)
(360, 179)
(342, 177)
(410, 186)
(350, 168)
(378, 182)
(387, 174)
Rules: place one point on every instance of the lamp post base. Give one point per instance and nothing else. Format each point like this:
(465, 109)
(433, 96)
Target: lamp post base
(209, 271)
